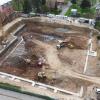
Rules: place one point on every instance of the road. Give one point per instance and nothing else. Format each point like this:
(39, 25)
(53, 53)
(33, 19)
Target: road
(10, 95)
(65, 8)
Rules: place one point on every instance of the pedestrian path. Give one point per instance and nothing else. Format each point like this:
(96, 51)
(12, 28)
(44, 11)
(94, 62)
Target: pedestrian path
(65, 8)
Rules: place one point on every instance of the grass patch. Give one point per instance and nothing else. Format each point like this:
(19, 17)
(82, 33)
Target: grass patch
(88, 13)
(56, 12)
(74, 6)
(10, 87)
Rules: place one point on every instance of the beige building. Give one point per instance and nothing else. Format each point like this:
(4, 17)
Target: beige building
(60, 1)
(51, 3)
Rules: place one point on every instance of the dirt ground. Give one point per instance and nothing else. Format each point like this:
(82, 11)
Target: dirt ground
(40, 42)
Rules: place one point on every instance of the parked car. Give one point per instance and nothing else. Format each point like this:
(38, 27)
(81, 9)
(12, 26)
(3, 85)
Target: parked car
(83, 20)
(24, 15)
(97, 90)
(50, 15)
(32, 14)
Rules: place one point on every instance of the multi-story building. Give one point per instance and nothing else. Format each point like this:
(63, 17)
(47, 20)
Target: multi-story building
(52, 3)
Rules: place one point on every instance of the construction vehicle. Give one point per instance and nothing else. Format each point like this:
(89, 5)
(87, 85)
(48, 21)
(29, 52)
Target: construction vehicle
(65, 44)
(42, 76)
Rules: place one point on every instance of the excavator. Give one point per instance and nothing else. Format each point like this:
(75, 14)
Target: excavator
(64, 43)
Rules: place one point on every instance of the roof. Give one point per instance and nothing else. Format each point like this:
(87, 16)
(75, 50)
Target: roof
(2, 2)
(73, 10)
(62, 1)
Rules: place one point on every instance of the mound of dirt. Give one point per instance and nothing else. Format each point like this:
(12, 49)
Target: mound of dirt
(79, 42)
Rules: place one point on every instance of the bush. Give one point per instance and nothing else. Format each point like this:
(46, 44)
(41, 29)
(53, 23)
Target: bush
(10, 87)
(56, 12)
(97, 25)
(98, 37)
(87, 12)
(18, 89)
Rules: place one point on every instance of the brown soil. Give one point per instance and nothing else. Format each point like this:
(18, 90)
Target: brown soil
(55, 60)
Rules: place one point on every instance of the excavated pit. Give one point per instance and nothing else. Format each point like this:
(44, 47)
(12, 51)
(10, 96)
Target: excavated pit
(39, 44)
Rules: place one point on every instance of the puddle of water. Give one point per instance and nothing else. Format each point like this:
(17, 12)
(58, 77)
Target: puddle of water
(48, 38)
(61, 30)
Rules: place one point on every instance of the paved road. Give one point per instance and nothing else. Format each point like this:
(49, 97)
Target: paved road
(65, 8)
(10, 95)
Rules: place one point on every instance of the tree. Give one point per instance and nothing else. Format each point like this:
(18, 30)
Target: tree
(26, 6)
(17, 5)
(37, 4)
(45, 9)
(56, 5)
(43, 2)
(85, 4)
(73, 1)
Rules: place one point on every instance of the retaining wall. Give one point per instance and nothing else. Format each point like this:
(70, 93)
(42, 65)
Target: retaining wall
(4, 50)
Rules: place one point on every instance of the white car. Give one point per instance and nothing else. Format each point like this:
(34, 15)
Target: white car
(32, 14)
(97, 91)
(83, 20)
(61, 17)
(50, 15)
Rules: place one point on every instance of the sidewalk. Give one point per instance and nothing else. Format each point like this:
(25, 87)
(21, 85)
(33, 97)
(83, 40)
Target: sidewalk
(65, 8)
(41, 91)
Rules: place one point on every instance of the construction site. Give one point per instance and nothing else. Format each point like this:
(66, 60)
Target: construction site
(52, 53)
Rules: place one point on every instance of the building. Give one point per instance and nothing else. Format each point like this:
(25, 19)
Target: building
(60, 1)
(50, 3)
(5, 9)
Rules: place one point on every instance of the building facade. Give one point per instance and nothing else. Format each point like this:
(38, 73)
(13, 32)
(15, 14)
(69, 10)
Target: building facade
(6, 9)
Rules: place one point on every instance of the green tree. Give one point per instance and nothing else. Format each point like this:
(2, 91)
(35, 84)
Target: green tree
(37, 5)
(26, 6)
(85, 4)
(73, 1)
(45, 9)
(43, 2)
(56, 6)
(17, 5)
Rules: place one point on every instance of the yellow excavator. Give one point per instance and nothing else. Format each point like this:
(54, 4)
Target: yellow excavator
(65, 44)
